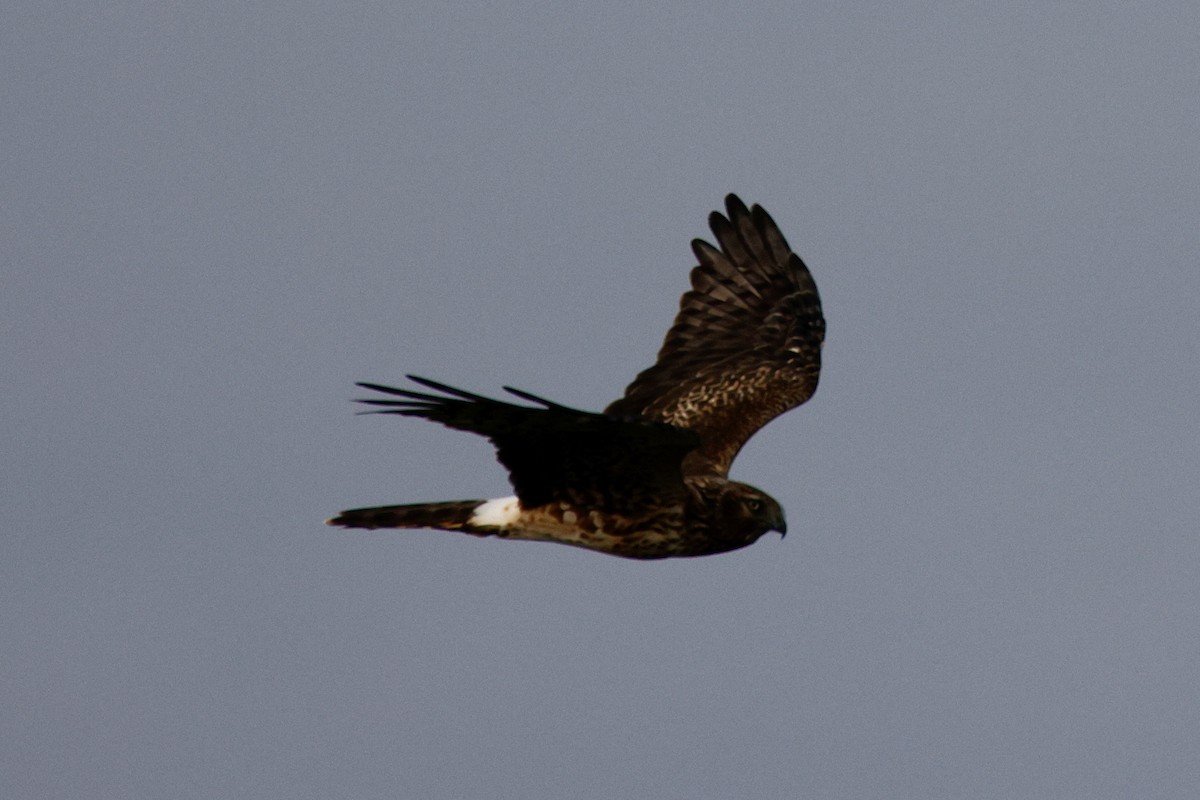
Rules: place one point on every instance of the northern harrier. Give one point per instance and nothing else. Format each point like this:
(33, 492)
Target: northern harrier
(647, 478)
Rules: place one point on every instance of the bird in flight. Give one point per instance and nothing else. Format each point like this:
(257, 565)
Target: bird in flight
(648, 477)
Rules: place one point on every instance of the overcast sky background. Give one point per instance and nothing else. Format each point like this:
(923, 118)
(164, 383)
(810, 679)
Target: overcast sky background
(218, 216)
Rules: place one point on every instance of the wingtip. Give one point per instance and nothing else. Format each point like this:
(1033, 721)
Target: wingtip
(734, 206)
(380, 387)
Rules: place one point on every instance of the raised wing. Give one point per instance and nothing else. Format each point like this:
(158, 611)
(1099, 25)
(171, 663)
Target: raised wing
(559, 454)
(745, 346)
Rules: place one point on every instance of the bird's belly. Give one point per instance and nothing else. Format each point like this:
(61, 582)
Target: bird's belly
(656, 535)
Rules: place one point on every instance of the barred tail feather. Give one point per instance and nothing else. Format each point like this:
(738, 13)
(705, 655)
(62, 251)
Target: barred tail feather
(450, 516)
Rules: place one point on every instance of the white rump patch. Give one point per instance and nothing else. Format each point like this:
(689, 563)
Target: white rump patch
(498, 513)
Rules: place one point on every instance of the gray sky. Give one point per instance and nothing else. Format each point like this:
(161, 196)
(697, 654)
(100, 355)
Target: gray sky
(217, 216)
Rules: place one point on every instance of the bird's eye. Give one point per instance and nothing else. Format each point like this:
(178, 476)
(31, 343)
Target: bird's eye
(754, 505)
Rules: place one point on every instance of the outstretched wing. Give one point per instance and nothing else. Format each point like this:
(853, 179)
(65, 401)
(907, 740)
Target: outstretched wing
(745, 346)
(559, 454)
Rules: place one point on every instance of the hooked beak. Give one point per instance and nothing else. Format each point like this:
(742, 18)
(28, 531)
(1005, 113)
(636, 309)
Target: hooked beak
(780, 524)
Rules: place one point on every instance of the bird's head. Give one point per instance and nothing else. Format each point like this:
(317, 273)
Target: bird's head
(748, 513)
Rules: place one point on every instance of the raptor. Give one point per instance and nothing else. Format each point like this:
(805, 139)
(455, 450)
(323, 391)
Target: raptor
(649, 476)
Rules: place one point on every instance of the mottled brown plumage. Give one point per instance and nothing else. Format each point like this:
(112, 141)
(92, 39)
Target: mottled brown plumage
(745, 347)
(647, 478)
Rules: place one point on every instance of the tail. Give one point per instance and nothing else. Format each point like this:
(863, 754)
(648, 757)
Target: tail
(452, 516)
